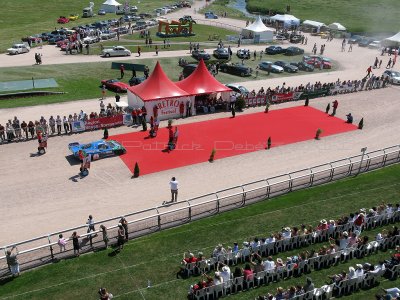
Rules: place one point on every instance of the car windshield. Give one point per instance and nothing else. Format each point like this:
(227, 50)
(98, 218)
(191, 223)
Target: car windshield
(87, 146)
(110, 144)
(395, 74)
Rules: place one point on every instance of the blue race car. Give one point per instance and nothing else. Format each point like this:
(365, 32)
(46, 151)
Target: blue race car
(98, 149)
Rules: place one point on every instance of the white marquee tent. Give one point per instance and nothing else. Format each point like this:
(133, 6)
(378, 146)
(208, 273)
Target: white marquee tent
(393, 40)
(258, 31)
(287, 20)
(337, 26)
(111, 6)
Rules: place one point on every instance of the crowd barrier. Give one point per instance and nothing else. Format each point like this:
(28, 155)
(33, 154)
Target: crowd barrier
(43, 249)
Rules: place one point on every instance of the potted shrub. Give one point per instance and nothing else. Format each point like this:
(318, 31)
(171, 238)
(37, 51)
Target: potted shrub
(269, 143)
(170, 121)
(105, 134)
(267, 107)
(212, 155)
(318, 133)
(361, 124)
(328, 107)
(307, 101)
(240, 103)
(136, 171)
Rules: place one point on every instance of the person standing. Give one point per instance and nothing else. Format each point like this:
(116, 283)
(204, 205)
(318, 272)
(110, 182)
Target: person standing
(156, 48)
(120, 237)
(369, 70)
(31, 129)
(182, 109)
(105, 235)
(335, 105)
(122, 70)
(90, 223)
(103, 92)
(174, 189)
(138, 50)
(350, 47)
(2, 135)
(124, 224)
(24, 128)
(188, 109)
(58, 122)
(75, 243)
(389, 63)
(52, 124)
(12, 261)
(66, 125)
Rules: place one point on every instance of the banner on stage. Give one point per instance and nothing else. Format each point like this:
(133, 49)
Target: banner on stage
(105, 122)
(78, 126)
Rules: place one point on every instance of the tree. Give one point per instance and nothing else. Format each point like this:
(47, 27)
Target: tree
(105, 134)
(240, 103)
(267, 107)
(212, 155)
(318, 133)
(361, 124)
(136, 171)
(307, 101)
(328, 107)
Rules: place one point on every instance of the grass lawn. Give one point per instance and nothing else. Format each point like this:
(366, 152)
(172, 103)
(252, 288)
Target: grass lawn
(156, 257)
(368, 16)
(219, 7)
(23, 18)
(82, 81)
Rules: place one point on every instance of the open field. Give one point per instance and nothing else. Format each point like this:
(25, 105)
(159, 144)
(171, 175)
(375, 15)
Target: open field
(368, 16)
(19, 19)
(82, 81)
(156, 257)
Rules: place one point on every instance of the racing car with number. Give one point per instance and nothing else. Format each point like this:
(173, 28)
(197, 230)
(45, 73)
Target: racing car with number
(98, 149)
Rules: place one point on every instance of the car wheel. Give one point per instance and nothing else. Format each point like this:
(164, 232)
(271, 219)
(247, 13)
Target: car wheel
(107, 55)
(242, 74)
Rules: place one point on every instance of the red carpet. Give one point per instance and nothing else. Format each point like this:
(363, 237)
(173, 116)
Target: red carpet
(229, 136)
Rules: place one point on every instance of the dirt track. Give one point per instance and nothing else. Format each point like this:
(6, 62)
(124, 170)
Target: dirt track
(40, 196)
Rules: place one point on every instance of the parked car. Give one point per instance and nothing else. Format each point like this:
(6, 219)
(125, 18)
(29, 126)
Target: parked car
(355, 39)
(295, 39)
(91, 39)
(210, 15)
(393, 76)
(62, 20)
(116, 51)
(106, 35)
(115, 85)
(134, 8)
(73, 17)
(55, 38)
(291, 51)
(101, 12)
(316, 62)
(136, 80)
(188, 69)
(272, 50)
(280, 37)
(18, 49)
(270, 66)
(243, 54)
(221, 53)
(240, 89)
(201, 54)
(365, 42)
(98, 149)
(286, 66)
(374, 45)
(303, 66)
(236, 69)
(120, 12)
(187, 19)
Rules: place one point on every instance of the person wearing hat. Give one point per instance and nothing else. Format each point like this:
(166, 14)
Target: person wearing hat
(344, 240)
(352, 273)
(279, 262)
(225, 274)
(309, 286)
(359, 273)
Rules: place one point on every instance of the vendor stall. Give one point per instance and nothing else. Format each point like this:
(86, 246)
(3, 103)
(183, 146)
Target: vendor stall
(258, 32)
(286, 21)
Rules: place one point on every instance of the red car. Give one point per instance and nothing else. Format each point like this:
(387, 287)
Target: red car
(62, 42)
(62, 20)
(115, 85)
(316, 62)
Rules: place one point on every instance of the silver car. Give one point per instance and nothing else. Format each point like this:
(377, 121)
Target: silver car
(393, 76)
(269, 66)
(116, 51)
(18, 49)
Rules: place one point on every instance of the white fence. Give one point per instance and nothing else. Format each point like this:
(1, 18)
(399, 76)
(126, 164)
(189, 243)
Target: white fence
(44, 249)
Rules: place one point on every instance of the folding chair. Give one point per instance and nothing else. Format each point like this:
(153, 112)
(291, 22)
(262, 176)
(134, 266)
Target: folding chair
(318, 294)
(203, 266)
(309, 295)
(219, 290)
(278, 246)
(300, 268)
(190, 269)
(286, 244)
(200, 294)
(238, 284)
(245, 254)
(270, 249)
(249, 282)
(210, 292)
(340, 288)
(259, 278)
(294, 242)
(394, 272)
(328, 289)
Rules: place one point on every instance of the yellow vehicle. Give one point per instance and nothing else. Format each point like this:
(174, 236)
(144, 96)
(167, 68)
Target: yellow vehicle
(73, 17)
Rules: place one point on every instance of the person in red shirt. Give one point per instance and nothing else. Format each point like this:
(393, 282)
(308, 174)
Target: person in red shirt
(122, 70)
(134, 115)
(369, 70)
(183, 272)
(181, 109)
(335, 105)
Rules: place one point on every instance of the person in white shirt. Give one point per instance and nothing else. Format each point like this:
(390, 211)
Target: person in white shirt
(269, 265)
(359, 270)
(344, 241)
(58, 122)
(174, 189)
(271, 239)
(226, 275)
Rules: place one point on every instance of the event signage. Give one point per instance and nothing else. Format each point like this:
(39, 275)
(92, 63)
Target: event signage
(105, 122)
(127, 120)
(78, 126)
(168, 107)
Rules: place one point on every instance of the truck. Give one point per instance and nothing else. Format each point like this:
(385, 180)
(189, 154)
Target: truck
(88, 11)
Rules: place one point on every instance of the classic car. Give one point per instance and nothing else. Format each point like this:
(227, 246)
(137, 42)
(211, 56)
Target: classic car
(270, 66)
(201, 54)
(62, 20)
(221, 53)
(272, 50)
(18, 49)
(392, 76)
(303, 66)
(73, 17)
(55, 38)
(91, 39)
(101, 12)
(188, 69)
(236, 69)
(210, 15)
(355, 39)
(295, 39)
(290, 51)
(136, 80)
(240, 89)
(187, 19)
(115, 85)
(365, 42)
(374, 45)
(97, 149)
(116, 51)
(243, 54)
(286, 66)
(108, 34)
(317, 60)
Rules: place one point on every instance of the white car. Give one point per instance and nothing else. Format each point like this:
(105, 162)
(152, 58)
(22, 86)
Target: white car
(116, 51)
(91, 39)
(374, 45)
(18, 49)
(393, 76)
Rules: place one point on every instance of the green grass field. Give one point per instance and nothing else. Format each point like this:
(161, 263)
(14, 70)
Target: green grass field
(156, 257)
(23, 18)
(369, 16)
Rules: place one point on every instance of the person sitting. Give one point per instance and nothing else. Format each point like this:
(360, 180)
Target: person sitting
(349, 118)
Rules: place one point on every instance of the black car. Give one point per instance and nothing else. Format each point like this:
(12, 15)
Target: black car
(365, 42)
(201, 54)
(187, 19)
(355, 39)
(136, 80)
(295, 39)
(188, 69)
(286, 66)
(243, 53)
(221, 53)
(303, 66)
(294, 51)
(272, 50)
(236, 69)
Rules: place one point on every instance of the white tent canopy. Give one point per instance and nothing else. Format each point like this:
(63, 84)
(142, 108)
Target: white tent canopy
(111, 6)
(393, 40)
(288, 20)
(258, 31)
(313, 23)
(337, 26)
